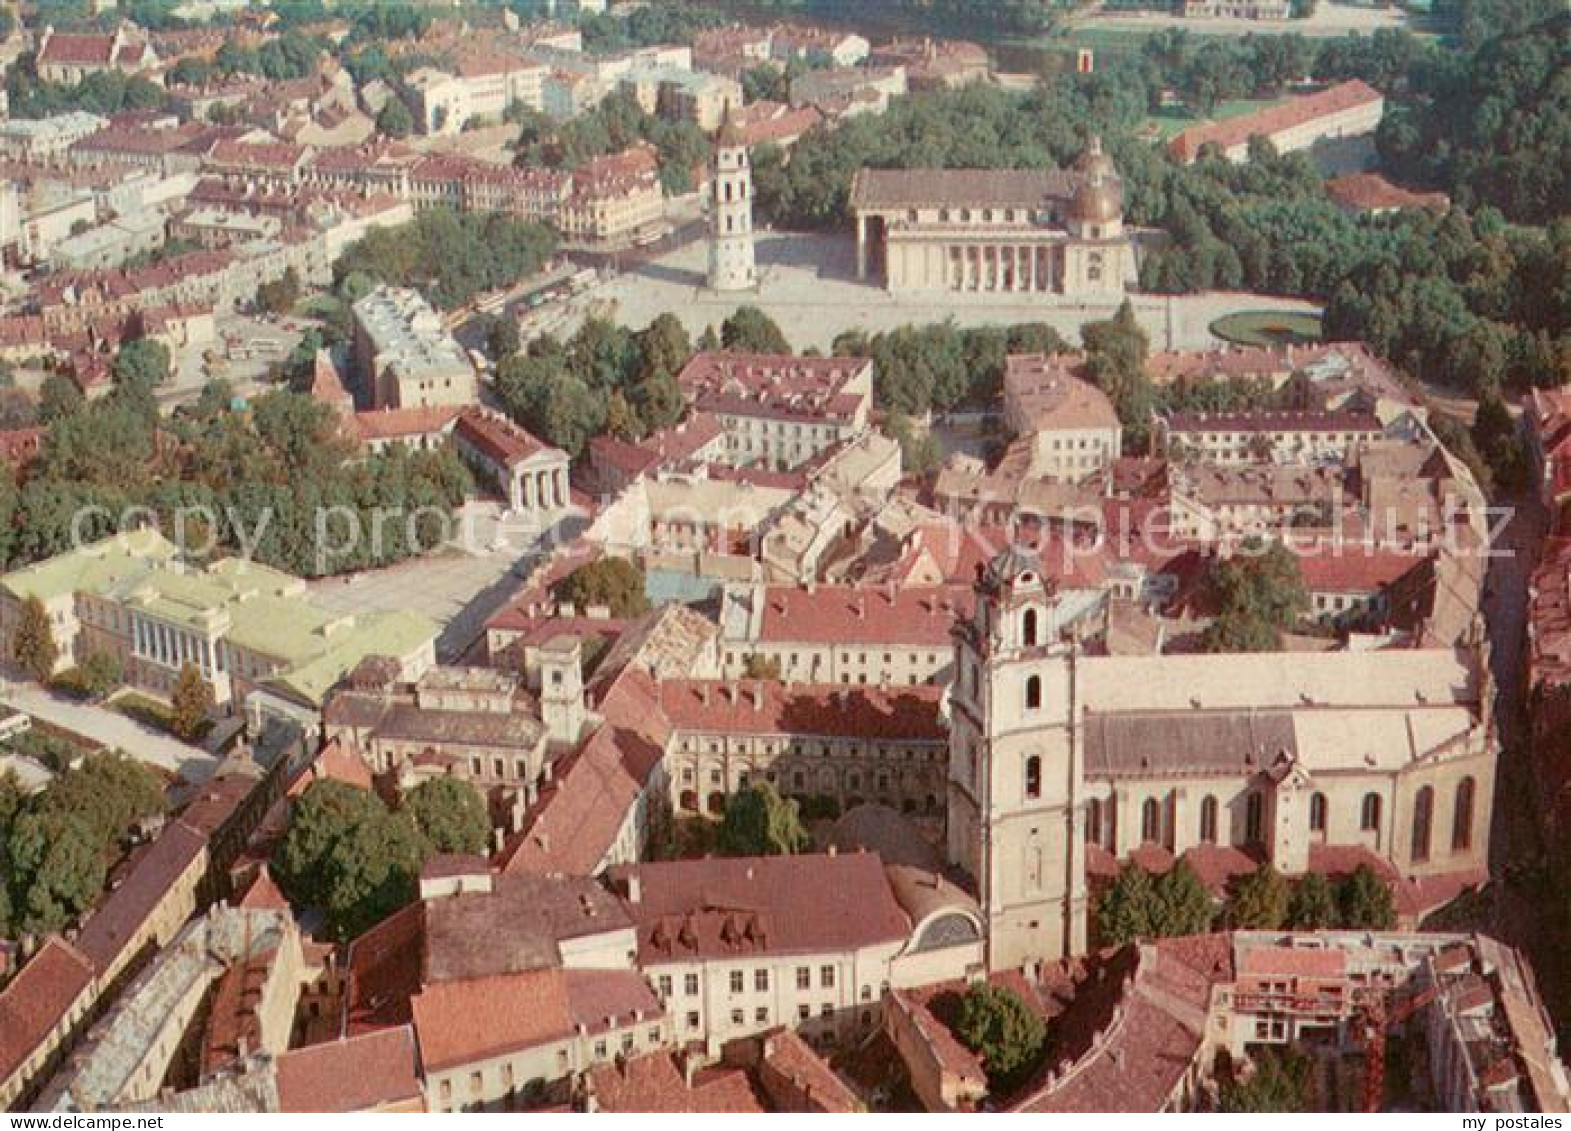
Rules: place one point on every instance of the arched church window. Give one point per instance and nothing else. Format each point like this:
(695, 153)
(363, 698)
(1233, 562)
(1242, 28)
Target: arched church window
(1369, 816)
(1150, 821)
(1423, 819)
(1028, 628)
(1317, 813)
(1208, 820)
(1033, 692)
(1462, 819)
(1034, 776)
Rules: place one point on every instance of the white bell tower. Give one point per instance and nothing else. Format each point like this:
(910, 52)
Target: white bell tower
(731, 235)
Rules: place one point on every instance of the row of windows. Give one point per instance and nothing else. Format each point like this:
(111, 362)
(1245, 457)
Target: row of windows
(1152, 816)
(737, 980)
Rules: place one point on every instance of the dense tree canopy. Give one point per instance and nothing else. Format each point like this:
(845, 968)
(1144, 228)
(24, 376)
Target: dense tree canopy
(1003, 1030)
(615, 583)
(450, 814)
(759, 822)
(450, 258)
(348, 856)
(1260, 594)
(55, 846)
(1258, 901)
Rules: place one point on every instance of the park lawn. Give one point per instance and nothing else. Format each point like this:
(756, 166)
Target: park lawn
(1268, 327)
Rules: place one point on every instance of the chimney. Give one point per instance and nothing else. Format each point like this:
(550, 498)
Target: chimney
(635, 888)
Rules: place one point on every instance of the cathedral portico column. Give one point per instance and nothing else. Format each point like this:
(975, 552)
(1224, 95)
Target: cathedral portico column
(861, 246)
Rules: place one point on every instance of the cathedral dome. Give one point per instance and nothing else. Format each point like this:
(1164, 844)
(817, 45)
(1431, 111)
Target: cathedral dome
(1098, 201)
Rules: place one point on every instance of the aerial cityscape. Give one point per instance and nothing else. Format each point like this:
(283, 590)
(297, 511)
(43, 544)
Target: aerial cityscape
(785, 556)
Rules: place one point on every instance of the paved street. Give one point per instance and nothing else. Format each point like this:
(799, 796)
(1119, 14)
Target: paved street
(808, 287)
(111, 729)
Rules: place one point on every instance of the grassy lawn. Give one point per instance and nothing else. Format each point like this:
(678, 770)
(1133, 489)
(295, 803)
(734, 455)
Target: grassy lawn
(1268, 328)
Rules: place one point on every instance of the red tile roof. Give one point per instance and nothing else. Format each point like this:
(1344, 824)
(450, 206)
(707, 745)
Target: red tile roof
(69, 49)
(380, 1069)
(124, 911)
(1053, 392)
(773, 386)
(1349, 570)
(653, 1083)
(498, 440)
(34, 1002)
(1370, 192)
(847, 615)
(462, 1022)
(721, 908)
(399, 423)
(1292, 962)
(1273, 119)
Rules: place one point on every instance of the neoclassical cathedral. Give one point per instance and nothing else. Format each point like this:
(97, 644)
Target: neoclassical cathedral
(996, 231)
(1060, 760)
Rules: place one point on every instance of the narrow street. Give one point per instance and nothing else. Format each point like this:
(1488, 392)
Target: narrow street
(1528, 910)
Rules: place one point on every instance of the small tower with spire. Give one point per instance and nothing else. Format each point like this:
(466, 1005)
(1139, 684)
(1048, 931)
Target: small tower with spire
(731, 237)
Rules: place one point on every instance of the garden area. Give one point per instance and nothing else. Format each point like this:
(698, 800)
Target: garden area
(1268, 328)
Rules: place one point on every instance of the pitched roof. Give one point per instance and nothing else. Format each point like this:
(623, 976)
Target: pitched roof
(361, 1073)
(965, 188)
(463, 1022)
(653, 1083)
(124, 911)
(38, 999)
(1272, 120)
(498, 440)
(1051, 391)
(846, 615)
(719, 908)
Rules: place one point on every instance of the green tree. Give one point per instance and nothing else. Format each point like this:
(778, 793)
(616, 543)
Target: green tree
(664, 344)
(101, 674)
(1279, 1082)
(347, 855)
(1365, 901)
(920, 452)
(550, 402)
(1313, 904)
(280, 295)
(1259, 901)
(502, 338)
(616, 583)
(58, 396)
(34, 642)
(56, 868)
(759, 822)
(394, 118)
(450, 814)
(750, 330)
(1183, 906)
(1127, 910)
(142, 365)
(1003, 1030)
(190, 704)
(1259, 593)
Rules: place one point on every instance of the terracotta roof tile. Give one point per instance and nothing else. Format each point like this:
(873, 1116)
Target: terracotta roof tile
(363, 1073)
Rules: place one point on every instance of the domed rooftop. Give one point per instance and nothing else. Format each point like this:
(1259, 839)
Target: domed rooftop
(1098, 201)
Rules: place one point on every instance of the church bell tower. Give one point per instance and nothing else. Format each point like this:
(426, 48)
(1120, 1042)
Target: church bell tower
(731, 235)
(1016, 766)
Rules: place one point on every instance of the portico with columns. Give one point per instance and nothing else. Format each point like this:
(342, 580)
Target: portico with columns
(531, 475)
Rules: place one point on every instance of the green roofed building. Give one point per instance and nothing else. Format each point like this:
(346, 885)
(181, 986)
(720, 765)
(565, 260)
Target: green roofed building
(251, 630)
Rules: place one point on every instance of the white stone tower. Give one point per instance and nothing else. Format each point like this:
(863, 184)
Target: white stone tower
(731, 240)
(562, 690)
(1016, 767)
